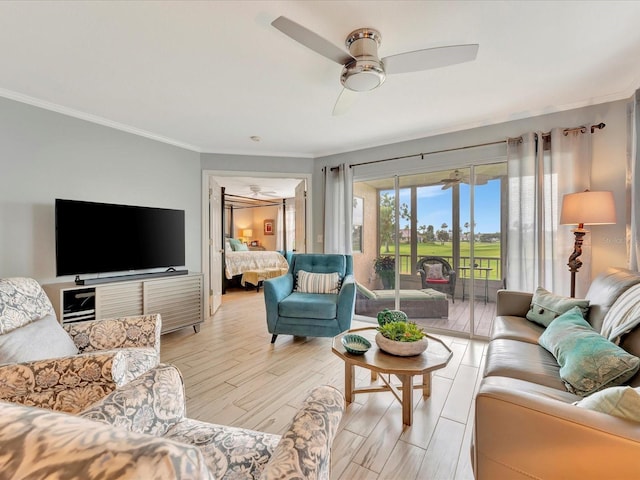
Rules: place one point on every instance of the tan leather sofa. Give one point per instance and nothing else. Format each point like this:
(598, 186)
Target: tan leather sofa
(526, 425)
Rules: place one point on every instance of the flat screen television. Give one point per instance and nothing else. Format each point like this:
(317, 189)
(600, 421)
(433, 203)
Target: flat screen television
(102, 237)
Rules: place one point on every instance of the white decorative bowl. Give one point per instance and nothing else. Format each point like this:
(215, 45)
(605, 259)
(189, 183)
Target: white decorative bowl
(401, 349)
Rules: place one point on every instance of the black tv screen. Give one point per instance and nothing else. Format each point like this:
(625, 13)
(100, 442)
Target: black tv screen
(102, 237)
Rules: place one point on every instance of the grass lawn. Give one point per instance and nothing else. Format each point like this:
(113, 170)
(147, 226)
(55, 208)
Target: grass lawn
(489, 250)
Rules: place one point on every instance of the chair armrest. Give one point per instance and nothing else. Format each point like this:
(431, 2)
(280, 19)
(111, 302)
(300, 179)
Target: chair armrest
(346, 302)
(67, 384)
(304, 449)
(522, 433)
(112, 333)
(423, 277)
(512, 303)
(36, 443)
(152, 403)
(275, 290)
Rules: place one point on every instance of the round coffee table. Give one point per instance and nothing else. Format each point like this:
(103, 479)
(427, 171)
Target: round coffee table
(435, 357)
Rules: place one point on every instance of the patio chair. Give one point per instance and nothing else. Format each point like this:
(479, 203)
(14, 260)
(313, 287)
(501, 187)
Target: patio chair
(437, 273)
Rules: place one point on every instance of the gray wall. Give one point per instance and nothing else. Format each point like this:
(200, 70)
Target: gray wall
(45, 155)
(253, 164)
(608, 172)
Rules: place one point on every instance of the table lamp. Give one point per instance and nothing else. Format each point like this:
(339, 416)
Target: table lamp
(247, 233)
(585, 208)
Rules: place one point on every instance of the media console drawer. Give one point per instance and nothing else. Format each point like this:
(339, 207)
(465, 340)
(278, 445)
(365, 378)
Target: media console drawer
(179, 300)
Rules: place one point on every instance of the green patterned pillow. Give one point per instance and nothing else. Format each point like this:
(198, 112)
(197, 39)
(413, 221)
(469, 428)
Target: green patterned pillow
(546, 306)
(588, 361)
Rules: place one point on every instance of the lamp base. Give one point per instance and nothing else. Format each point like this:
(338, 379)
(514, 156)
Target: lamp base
(574, 262)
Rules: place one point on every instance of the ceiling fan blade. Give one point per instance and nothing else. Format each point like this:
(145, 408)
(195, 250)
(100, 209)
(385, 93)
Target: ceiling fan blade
(345, 101)
(311, 40)
(430, 58)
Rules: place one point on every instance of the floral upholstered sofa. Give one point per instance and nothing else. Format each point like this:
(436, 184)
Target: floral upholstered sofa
(140, 431)
(67, 367)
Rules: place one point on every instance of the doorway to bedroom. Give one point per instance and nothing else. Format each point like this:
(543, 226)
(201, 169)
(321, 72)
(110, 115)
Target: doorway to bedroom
(257, 216)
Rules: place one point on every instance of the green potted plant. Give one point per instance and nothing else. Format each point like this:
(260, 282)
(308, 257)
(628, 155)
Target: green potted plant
(385, 267)
(398, 336)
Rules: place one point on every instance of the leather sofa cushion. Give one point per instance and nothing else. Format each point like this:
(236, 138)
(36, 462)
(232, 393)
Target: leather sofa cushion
(516, 328)
(309, 305)
(605, 290)
(631, 343)
(529, 388)
(524, 361)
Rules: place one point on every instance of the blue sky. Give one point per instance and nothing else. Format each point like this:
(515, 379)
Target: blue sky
(434, 206)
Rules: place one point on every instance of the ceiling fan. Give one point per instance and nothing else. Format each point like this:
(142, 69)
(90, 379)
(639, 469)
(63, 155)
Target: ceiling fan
(257, 191)
(456, 177)
(362, 69)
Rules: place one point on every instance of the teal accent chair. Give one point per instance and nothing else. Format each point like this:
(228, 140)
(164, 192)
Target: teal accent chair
(310, 314)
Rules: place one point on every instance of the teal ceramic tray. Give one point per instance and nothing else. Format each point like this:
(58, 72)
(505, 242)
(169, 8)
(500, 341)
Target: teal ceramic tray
(355, 344)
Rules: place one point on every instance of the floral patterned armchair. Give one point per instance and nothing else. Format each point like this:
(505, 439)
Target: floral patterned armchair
(67, 367)
(154, 439)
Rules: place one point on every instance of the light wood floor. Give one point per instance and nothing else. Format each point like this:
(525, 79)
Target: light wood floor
(234, 376)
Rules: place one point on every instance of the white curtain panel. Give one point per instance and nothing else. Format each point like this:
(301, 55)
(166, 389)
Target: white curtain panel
(290, 225)
(541, 170)
(633, 184)
(338, 209)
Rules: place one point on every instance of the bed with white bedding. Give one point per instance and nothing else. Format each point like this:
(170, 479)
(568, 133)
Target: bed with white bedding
(238, 262)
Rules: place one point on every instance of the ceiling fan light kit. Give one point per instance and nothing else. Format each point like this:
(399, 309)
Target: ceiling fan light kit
(366, 71)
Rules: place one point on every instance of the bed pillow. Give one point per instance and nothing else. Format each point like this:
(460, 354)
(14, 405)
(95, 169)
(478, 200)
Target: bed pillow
(235, 244)
(546, 306)
(242, 248)
(433, 271)
(318, 282)
(623, 402)
(588, 361)
(227, 246)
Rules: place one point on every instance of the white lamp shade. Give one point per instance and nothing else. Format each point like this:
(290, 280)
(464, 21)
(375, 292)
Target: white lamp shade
(589, 208)
(247, 232)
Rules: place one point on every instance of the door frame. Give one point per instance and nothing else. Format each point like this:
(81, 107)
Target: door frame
(205, 212)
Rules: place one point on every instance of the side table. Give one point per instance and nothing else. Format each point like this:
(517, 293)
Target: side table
(435, 357)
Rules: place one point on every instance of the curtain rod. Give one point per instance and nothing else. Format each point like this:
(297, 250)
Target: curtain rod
(581, 129)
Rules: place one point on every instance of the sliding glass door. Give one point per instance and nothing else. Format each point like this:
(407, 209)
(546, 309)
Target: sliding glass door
(430, 245)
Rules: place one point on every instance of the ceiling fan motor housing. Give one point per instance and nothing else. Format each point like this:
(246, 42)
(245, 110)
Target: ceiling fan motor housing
(366, 71)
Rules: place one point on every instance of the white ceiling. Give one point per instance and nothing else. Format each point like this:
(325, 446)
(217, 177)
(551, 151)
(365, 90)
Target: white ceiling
(269, 188)
(209, 75)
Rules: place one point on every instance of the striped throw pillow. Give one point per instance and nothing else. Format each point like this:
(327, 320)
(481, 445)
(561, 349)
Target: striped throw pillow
(623, 316)
(318, 282)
